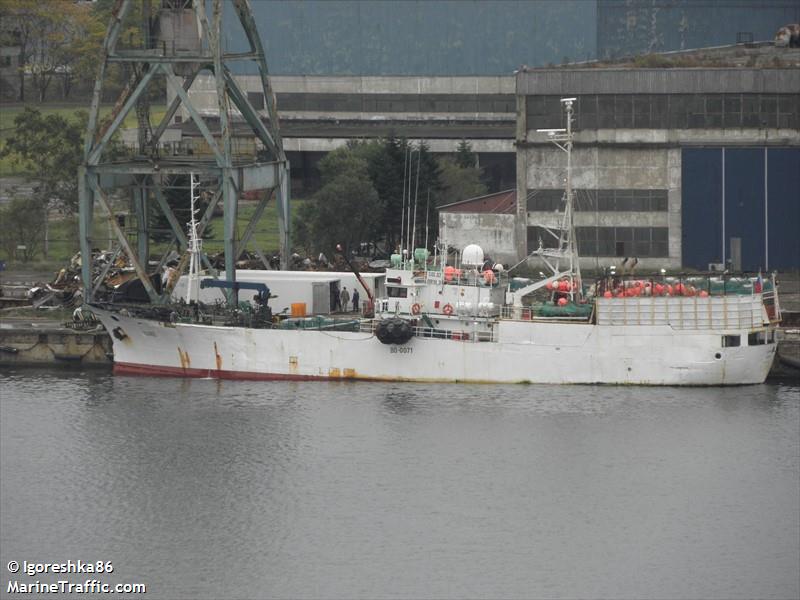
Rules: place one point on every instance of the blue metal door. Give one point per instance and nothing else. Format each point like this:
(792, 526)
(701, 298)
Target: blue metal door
(701, 206)
(783, 208)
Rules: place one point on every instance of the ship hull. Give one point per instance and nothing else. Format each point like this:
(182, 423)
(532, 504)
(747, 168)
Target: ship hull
(522, 352)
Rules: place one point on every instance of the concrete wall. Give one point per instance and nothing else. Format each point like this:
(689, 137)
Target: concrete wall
(657, 81)
(325, 113)
(204, 98)
(612, 168)
(640, 158)
(492, 232)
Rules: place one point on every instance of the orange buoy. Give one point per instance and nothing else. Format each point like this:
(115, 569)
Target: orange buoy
(607, 294)
(562, 301)
(703, 294)
(549, 285)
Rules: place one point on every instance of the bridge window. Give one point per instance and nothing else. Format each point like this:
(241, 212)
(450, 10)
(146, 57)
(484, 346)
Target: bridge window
(731, 341)
(757, 338)
(397, 292)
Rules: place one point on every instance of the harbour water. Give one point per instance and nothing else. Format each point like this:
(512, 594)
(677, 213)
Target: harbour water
(208, 489)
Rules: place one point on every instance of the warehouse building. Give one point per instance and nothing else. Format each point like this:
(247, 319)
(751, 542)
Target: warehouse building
(693, 167)
(321, 113)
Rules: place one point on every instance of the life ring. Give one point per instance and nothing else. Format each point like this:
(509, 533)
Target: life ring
(448, 309)
(416, 308)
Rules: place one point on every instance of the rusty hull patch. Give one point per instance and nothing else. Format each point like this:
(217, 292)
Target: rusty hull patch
(186, 362)
(217, 357)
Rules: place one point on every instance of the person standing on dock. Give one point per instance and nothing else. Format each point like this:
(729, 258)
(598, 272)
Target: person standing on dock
(344, 298)
(355, 300)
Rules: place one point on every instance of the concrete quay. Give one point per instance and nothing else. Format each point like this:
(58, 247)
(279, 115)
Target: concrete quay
(51, 344)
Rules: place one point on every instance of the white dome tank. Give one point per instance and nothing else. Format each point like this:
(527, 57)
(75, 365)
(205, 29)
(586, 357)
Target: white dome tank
(472, 256)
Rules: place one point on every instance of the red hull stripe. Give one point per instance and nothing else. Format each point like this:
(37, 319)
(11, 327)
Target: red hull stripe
(121, 368)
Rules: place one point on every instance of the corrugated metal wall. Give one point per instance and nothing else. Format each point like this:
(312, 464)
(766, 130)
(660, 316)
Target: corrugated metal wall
(629, 27)
(422, 37)
(752, 194)
(456, 37)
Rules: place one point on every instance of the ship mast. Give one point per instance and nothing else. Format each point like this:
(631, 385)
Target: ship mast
(195, 245)
(567, 248)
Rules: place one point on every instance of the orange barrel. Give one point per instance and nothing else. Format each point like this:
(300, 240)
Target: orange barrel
(298, 309)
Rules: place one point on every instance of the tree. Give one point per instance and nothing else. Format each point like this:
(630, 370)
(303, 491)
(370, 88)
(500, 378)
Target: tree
(386, 164)
(78, 59)
(48, 31)
(23, 226)
(51, 149)
(459, 183)
(346, 210)
(17, 14)
(425, 187)
(57, 40)
(404, 177)
(465, 157)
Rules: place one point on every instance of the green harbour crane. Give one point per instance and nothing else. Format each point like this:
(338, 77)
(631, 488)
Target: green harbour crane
(169, 43)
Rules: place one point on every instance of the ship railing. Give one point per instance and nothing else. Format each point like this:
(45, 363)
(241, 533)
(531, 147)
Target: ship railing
(682, 284)
(466, 277)
(458, 335)
(738, 311)
(772, 306)
(515, 313)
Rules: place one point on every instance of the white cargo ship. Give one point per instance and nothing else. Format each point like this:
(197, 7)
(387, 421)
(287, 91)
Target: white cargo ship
(448, 318)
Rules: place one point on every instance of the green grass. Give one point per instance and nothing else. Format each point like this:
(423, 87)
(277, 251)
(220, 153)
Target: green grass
(64, 237)
(265, 237)
(9, 112)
